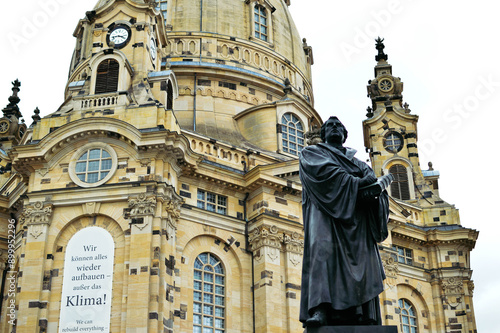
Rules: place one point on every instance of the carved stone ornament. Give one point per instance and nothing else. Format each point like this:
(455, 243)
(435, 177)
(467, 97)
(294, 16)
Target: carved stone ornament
(453, 286)
(294, 243)
(453, 289)
(470, 286)
(313, 137)
(142, 205)
(391, 267)
(37, 214)
(173, 208)
(266, 236)
(295, 258)
(36, 230)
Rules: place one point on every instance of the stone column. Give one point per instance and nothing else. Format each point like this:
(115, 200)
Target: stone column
(266, 243)
(142, 209)
(33, 299)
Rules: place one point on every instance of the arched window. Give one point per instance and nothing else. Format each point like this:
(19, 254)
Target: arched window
(107, 76)
(261, 24)
(408, 317)
(292, 134)
(400, 188)
(209, 295)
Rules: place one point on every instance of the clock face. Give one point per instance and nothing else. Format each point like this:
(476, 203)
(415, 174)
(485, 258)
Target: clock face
(152, 48)
(4, 126)
(21, 131)
(120, 35)
(385, 85)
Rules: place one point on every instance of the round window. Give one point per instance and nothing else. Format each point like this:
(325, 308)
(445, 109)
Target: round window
(393, 142)
(93, 165)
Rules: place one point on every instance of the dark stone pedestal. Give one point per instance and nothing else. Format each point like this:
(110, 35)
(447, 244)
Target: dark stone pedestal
(352, 329)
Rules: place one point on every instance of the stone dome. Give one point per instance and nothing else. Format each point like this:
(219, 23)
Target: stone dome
(235, 19)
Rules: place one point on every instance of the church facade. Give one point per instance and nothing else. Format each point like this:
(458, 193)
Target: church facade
(164, 196)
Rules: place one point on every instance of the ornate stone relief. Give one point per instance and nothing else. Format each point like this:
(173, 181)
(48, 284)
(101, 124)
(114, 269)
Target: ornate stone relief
(275, 241)
(36, 230)
(266, 236)
(453, 290)
(142, 205)
(391, 267)
(313, 137)
(293, 243)
(470, 286)
(453, 286)
(39, 213)
(173, 209)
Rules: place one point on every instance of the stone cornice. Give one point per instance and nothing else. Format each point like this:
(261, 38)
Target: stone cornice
(37, 154)
(431, 236)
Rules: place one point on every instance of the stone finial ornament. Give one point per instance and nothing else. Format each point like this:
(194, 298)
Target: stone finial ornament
(36, 117)
(12, 109)
(380, 48)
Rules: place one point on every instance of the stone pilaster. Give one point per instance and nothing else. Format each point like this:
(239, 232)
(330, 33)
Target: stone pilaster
(455, 308)
(142, 209)
(168, 293)
(266, 244)
(35, 219)
(390, 293)
(294, 250)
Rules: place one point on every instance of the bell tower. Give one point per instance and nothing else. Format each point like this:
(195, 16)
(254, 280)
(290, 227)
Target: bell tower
(390, 134)
(118, 68)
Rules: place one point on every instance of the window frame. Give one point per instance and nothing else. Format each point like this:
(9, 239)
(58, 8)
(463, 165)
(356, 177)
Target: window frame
(261, 23)
(75, 159)
(209, 293)
(216, 202)
(401, 182)
(124, 76)
(269, 9)
(112, 74)
(389, 140)
(404, 257)
(285, 136)
(411, 313)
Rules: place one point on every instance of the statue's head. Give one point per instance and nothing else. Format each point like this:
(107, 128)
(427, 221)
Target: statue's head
(332, 119)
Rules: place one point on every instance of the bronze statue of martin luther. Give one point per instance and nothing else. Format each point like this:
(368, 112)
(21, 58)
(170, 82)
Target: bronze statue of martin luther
(345, 210)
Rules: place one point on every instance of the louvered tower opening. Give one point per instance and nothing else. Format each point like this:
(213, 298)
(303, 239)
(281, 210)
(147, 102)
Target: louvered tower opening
(170, 96)
(400, 188)
(107, 76)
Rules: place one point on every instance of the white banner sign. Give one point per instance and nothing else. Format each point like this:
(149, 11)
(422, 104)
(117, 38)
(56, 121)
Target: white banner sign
(87, 282)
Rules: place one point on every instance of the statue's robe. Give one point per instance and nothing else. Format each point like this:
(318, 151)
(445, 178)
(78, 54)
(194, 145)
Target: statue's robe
(341, 265)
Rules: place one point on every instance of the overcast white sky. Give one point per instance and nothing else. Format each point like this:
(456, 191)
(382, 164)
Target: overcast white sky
(446, 53)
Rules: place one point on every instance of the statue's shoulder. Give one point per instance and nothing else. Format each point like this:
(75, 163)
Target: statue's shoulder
(313, 149)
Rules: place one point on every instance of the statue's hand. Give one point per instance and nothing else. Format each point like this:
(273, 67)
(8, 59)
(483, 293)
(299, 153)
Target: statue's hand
(367, 180)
